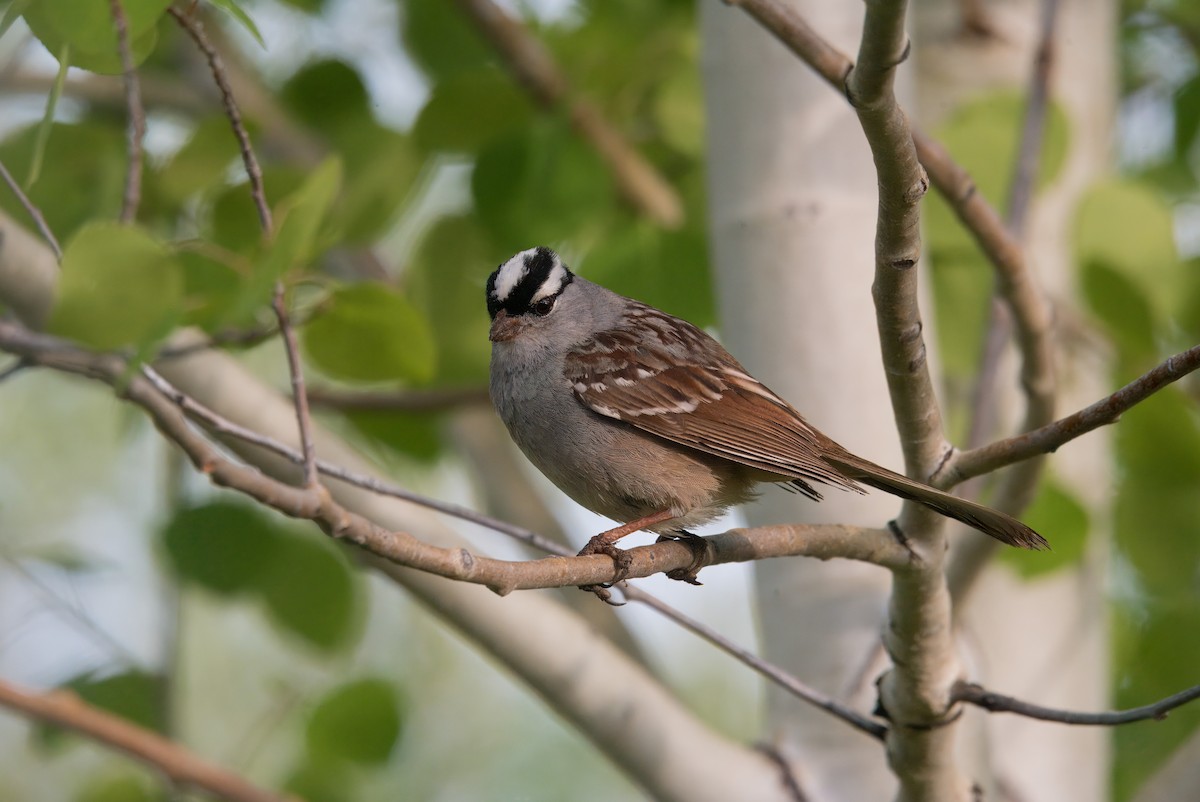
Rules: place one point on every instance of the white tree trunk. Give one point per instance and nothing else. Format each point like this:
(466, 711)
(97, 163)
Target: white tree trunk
(793, 202)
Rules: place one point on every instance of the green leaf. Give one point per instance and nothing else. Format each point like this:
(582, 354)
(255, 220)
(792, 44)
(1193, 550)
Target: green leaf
(439, 38)
(43, 130)
(118, 287)
(203, 160)
(467, 110)
(322, 781)
(666, 269)
(235, 10)
(1155, 657)
(540, 186)
(223, 546)
(447, 279)
(233, 220)
(298, 220)
(359, 722)
(311, 592)
(1187, 116)
(1121, 307)
(1129, 227)
(1058, 515)
(15, 9)
(371, 333)
(380, 164)
(327, 96)
(211, 288)
(123, 787)
(135, 696)
(81, 178)
(88, 29)
(414, 434)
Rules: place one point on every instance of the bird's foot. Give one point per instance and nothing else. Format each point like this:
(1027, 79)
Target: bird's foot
(699, 549)
(622, 561)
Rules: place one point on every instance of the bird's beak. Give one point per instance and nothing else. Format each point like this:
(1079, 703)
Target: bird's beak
(504, 327)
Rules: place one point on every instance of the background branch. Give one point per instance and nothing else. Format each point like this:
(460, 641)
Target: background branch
(65, 709)
(534, 68)
(136, 128)
(1050, 437)
(999, 703)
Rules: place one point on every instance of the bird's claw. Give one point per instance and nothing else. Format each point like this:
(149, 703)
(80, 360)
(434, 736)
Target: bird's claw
(622, 562)
(699, 549)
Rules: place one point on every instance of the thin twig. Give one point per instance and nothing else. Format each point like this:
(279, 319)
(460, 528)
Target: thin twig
(195, 30)
(223, 426)
(34, 212)
(299, 396)
(769, 670)
(1050, 437)
(74, 614)
(136, 128)
(1033, 130)
(1018, 484)
(954, 183)
(407, 400)
(535, 69)
(999, 703)
(824, 542)
(65, 709)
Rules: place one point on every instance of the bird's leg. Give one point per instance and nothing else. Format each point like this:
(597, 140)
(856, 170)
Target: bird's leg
(699, 547)
(603, 544)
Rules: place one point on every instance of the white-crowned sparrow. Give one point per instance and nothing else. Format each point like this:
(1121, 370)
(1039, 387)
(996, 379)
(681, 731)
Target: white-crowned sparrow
(643, 418)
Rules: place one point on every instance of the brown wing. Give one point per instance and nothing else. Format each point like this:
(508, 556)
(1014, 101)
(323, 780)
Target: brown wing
(667, 377)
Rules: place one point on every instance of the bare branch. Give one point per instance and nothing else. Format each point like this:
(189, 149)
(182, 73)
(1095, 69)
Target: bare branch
(956, 185)
(918, 636)
(136, 129)
(34, 212)
(823, 542)
(65, 709)
(1050, 437)
(195, 29)
(299, 395)
(1019, 483)
(534, 68)
(999, 703)
(769, 670)
(408, 400)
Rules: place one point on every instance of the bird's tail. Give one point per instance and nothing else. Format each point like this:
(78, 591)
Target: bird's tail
(991, 522)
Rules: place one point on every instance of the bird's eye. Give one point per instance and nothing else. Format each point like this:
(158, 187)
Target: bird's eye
(542, 308)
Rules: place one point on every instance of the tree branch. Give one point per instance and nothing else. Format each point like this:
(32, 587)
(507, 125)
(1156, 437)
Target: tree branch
(659, 733)
(958, 188)
(195, 29)
(919, 636)
(1050, 437)
(34, 212)
(299, 395)
(769, 670)
(502, 576)
(136, 129)
(535, 69)
(999, 703)
(65, 709)
(1039, 378)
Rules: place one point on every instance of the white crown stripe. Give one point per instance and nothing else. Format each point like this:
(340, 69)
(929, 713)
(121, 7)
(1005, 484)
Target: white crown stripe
(511, 273)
